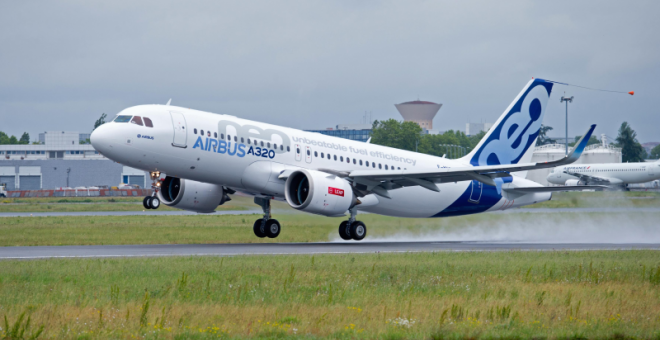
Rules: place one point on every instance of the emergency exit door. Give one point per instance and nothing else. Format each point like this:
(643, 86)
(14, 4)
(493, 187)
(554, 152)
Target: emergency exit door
(179, 125)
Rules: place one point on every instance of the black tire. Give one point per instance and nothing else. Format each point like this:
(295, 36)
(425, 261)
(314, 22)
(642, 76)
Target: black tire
(343, 231)
(272, 228)
(257, 228)
(146, 202)
(358, 230)
(154, 202)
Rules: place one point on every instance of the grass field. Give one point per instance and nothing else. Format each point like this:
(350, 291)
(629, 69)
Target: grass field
(76, 204)
(298, 227)
(577, 295)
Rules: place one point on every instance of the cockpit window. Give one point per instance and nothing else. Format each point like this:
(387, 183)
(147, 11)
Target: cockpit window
(123, 119)
(137, 120)
(147, 122)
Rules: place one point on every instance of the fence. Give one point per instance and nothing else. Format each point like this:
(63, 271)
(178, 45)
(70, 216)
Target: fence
(80, 193)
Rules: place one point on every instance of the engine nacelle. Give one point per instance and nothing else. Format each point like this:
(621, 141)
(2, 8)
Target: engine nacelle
(319, 193)
(574, 182)
(191, 195)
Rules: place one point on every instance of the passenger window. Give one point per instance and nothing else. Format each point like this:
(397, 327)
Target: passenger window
(195, 131)
(282, 147)
(398, 168)
(335, 157)
(309, 153)
(275, 146)
(208, 133)
(268, 144)
(366, 163)
(222, 136)
(228, 137)
(235, 139)
(354, 161)
(322, 155)
(341, 158)
(316, 154)
(137, 120)
(348, 160)
(242, 140)
(360, 162)
(373, 165)
(297, 150)
(147, 122)
(288, 148)
(380, 166)
(215, 135)
(202, 132)
(262, 144)
(123, 119)
(248, 140)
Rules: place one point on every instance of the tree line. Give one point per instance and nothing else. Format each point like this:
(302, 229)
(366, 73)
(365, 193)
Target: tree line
(408, 136)
(5, 139)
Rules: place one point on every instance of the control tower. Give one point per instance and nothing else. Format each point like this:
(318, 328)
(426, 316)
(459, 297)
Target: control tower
(420, 112)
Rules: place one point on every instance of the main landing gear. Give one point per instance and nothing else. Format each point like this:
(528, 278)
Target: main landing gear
(152, 202)
(352, 229)
(266, 226)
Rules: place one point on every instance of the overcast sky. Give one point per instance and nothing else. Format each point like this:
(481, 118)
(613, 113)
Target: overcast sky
(313, 65)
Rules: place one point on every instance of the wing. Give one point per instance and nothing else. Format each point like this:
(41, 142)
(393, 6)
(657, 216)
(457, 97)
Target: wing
(589, 179)
(379, 181)
(529, 190)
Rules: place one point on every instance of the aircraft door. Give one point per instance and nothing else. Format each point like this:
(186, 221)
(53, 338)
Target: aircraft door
(179, 125)
(475, 195)
(308, 154)
(298, 152)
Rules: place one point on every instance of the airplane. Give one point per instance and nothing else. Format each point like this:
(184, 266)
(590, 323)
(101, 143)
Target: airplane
(613, 175)
(197, 159)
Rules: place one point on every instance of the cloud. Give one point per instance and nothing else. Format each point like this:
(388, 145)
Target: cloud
(318, 64)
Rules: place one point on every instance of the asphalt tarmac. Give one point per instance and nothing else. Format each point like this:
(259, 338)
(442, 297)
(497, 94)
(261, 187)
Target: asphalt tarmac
(159, 250)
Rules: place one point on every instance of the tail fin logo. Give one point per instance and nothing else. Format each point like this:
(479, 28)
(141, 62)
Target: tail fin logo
(516, 132)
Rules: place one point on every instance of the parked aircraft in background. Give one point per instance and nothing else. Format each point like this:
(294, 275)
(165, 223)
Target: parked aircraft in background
(198, 158)
(615, 175)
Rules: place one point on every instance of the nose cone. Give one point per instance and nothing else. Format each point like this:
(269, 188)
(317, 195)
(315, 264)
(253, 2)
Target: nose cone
(101, 138)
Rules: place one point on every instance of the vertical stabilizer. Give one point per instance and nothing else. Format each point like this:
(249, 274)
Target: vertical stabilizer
(511, 139)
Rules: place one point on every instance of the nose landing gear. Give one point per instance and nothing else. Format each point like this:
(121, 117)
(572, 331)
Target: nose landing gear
(266, 226)
(152, 202)
(352, 229)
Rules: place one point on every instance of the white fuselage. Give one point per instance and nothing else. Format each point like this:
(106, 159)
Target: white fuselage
(614, 173)
(230, 153)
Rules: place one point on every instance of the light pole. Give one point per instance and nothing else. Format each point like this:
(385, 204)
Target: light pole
(567, 100)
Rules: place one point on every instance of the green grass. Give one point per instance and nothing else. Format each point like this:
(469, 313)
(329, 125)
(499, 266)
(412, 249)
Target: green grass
(300, 227)
(78, 204)
(608, 294)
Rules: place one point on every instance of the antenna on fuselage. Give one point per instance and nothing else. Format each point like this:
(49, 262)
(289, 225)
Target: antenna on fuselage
(168, 102)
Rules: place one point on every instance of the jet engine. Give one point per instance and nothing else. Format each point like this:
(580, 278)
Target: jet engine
(319, 193)
(574, 182)
(192, 195)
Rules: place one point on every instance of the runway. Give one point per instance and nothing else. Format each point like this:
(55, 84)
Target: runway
(159, 250)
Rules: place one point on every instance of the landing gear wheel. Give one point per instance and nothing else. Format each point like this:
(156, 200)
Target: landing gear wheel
(154, 203)
(257, 228)
(358, 230)
(146, 203)
(343, 231)
(272, 228)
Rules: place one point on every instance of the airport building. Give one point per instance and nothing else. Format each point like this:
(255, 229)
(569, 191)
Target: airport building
(475, 128)
(61, 161)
